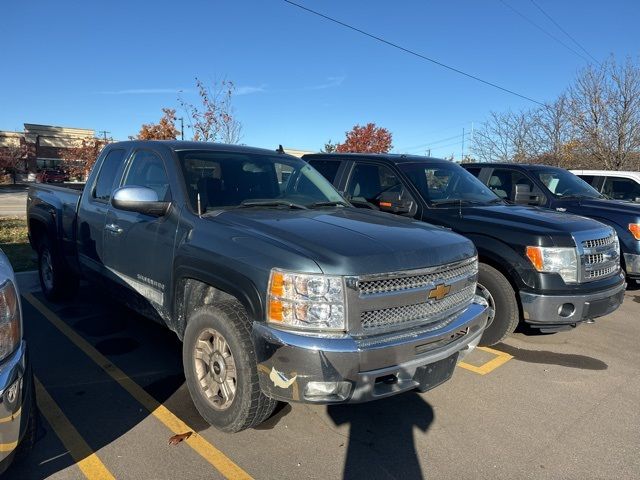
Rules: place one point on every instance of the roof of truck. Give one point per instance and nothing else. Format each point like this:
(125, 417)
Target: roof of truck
(389, 157)
(523, 166)
(178, 145)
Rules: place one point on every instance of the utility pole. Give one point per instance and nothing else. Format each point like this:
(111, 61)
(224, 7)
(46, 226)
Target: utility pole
(104, 134)
(181, 128)
(428, 152)
(462, 156)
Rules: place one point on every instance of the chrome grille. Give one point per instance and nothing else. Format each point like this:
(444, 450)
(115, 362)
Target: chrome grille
(599, 256)
(603, 272)
(406, 315)
(409, 282)
(599, 242)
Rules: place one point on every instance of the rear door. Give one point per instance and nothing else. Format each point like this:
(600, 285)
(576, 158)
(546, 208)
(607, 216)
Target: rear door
(93, 212)
(139, 247)
(621, 188)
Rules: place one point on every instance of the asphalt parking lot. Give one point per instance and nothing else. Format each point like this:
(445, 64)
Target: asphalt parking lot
(112, 393)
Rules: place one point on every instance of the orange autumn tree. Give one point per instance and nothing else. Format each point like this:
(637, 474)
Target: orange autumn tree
(367, 139)
(78, 160)
(165, 129)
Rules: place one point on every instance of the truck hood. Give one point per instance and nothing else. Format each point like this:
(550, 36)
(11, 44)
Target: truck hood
(351, 241)
(601, 207)
(527, 220)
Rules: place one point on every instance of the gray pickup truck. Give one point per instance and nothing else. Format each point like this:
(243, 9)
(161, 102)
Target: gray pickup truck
(278, 288)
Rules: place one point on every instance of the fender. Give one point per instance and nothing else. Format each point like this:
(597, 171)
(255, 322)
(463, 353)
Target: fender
(227, 282)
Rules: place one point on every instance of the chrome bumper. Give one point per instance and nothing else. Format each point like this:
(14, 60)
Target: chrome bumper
(549, 311)
(291, 366)
(632, 264)
(15, 402)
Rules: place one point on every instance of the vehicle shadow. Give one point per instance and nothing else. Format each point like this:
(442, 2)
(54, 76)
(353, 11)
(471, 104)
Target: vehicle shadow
(94, 403)
(381, 436)
(570, 360)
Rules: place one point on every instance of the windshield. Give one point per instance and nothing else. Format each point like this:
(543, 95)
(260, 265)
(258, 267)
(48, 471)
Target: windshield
(229, 179)
(565, 184)
(446, 183)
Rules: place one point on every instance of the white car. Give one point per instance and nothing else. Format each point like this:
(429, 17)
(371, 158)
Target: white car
(615, 185)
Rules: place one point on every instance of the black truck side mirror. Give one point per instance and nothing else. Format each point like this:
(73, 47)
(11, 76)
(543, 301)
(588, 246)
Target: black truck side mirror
(524, 196)
(139, 199)
(395, 203)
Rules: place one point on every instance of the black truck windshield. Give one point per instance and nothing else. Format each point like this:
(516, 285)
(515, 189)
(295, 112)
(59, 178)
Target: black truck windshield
(217, 180)
(565, 184)
(446, 184)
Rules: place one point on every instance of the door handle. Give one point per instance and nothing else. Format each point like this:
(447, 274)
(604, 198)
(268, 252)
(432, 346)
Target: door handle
(113, 229)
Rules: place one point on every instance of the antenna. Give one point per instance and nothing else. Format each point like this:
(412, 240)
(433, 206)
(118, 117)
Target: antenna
(199, 205)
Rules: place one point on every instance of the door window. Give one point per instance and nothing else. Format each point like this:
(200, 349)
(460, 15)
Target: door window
(147, 170)
(328, 168)
(621, 188)
(375, 183)
(503, 181)
(106, 176)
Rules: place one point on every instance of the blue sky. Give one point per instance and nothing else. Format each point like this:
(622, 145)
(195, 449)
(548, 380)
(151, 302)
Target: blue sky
(301, 80)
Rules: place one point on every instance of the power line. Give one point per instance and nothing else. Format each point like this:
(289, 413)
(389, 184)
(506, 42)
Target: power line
(527, 19)
(564, 31)
(429, 144)
(412, 52)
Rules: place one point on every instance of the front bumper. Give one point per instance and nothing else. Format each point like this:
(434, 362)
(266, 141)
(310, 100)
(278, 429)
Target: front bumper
(551, 312)
(16, 388)
(632, 264)
(363, 369)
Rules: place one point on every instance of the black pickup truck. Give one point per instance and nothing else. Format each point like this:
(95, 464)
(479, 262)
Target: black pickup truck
(561, 190)
(278, 288)
(554, 270)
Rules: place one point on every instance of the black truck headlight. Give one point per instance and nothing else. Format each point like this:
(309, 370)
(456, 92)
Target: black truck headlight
(302, 301)
(9, 317)
(561, 260)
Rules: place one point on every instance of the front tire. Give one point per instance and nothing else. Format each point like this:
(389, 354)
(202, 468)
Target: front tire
(499, 293)
(221, 369)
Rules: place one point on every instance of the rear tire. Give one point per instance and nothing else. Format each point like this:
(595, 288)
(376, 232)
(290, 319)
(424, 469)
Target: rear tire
(56, 280)
(221, 369)
(497, 290)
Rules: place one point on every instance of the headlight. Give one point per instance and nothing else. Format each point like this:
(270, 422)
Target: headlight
(561, 260)
(306, 302)
(634, 228)
(9, 318)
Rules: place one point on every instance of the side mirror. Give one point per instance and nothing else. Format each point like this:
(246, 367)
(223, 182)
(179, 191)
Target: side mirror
(139, 199)
(394, 203)
(524, 196)
(637, 199)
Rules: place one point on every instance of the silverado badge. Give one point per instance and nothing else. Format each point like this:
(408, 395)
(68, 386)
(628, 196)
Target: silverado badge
(439, 292)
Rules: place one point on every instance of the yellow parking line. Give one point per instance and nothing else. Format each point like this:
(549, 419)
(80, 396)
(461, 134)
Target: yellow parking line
(501, 359)
(88, 462)
(12, 417)
(207, 451)
(8, 447)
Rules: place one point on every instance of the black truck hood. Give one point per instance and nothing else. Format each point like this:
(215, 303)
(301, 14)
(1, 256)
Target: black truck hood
(351, 241)
(601, 207)
(524, 220)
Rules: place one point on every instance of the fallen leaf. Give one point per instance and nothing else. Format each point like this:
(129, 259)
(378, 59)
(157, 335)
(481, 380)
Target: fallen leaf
(176, 439)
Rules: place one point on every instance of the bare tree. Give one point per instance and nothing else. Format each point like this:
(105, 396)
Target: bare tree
(552, 135)
(605, 105)
(504, 137)
(213, 119)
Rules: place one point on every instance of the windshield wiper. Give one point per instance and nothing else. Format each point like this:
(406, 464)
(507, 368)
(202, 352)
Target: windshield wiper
(457, 201)
(271, 203)
(338, 203)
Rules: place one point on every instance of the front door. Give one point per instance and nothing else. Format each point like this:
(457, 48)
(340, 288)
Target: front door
(139, 247)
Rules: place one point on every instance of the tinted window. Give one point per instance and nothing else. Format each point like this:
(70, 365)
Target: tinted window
(590, 179)
(327, 168)
(565, 184)
(106, 176)
(475, 171)
(369, 182)
(445, 183)
(502, 182)
(227, 179)
(147, 170)
(621, 188)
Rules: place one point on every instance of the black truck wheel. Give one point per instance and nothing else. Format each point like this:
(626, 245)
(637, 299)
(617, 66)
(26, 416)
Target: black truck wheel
(221, 369)
(499, 293)
(56, 281)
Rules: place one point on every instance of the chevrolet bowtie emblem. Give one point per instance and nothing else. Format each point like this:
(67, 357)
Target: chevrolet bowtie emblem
(439, 292)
